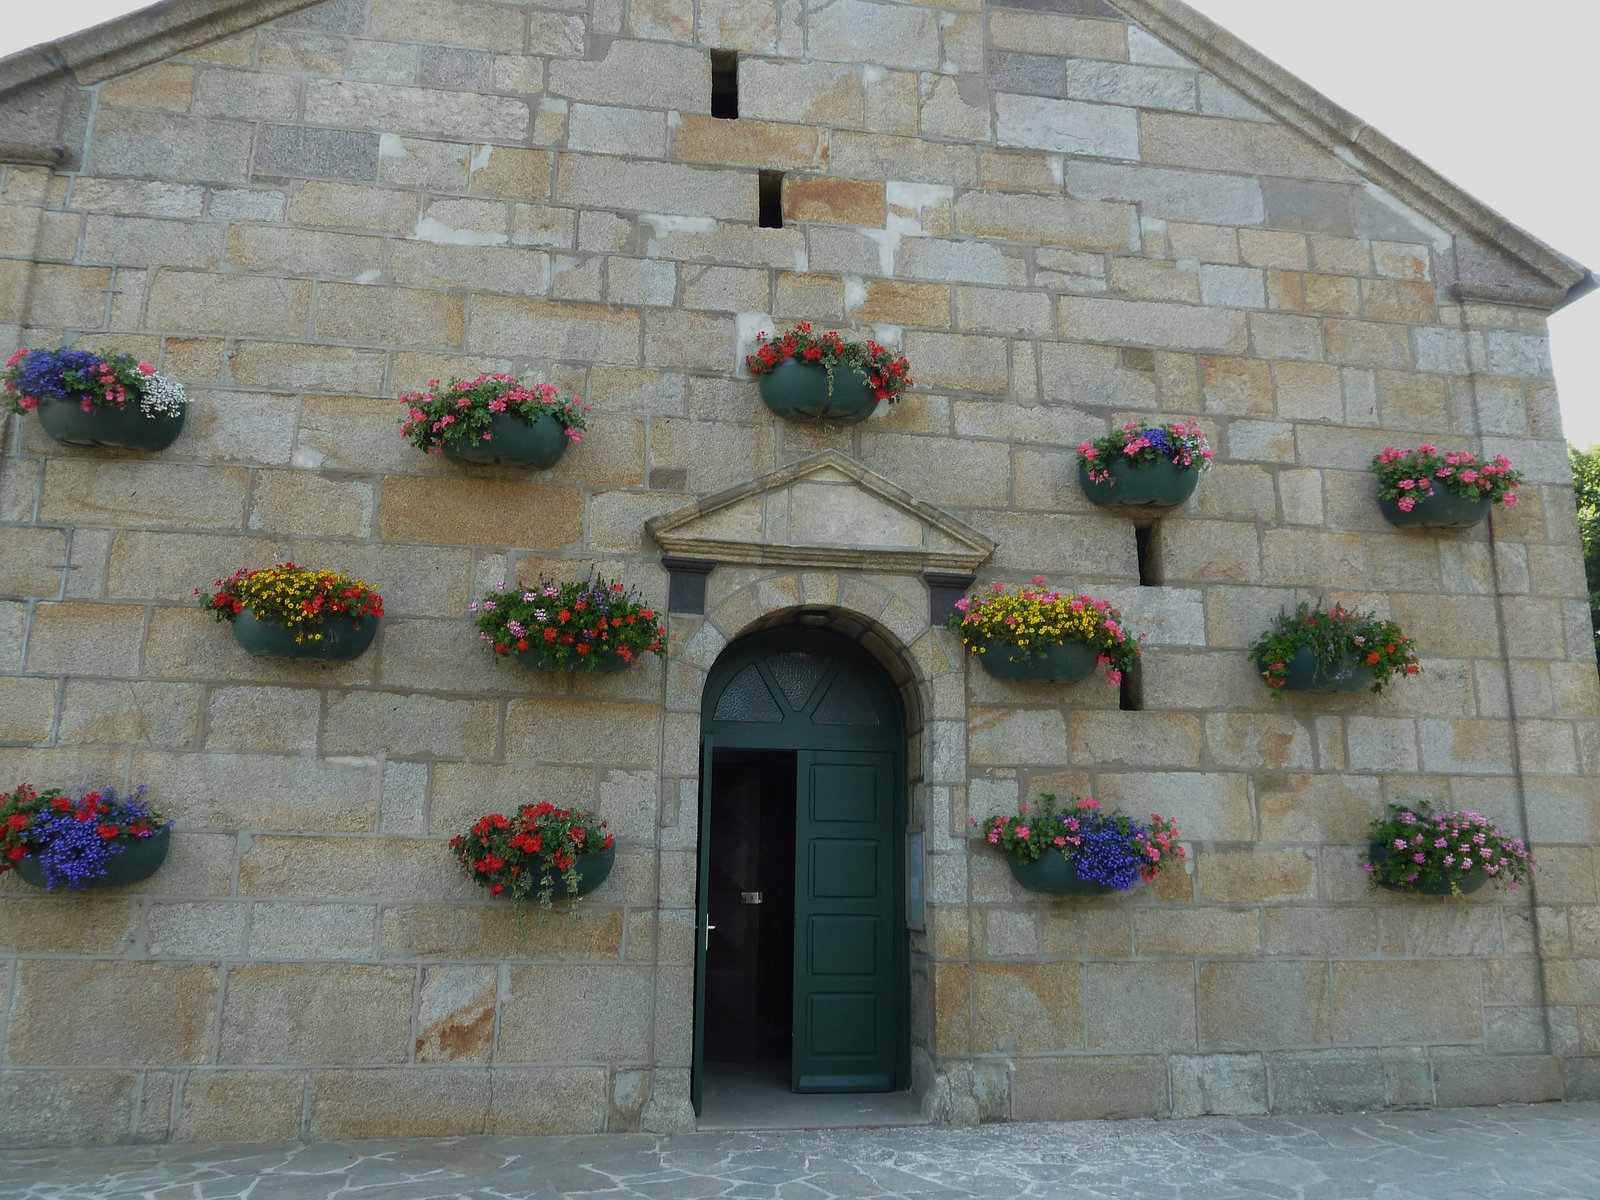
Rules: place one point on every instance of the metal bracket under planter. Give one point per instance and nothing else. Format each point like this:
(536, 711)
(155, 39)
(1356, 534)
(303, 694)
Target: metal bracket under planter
(944, 589)
(686, 583)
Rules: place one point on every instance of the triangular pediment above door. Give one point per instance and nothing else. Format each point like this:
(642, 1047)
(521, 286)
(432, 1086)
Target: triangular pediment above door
(826, 511)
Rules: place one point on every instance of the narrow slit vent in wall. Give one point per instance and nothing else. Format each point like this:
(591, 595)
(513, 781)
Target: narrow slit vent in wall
(725, 84)
(770, 197)
(1130, 696)
(1147, 546)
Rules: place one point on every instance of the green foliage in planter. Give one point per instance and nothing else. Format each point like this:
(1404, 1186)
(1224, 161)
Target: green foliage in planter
(1586, 491)
(1338, 640)
(1416, 849)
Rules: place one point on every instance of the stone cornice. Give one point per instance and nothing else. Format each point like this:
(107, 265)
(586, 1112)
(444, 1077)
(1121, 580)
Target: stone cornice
(965, 551)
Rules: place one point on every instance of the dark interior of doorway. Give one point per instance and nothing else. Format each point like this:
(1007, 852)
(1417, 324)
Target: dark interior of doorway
(750, 952)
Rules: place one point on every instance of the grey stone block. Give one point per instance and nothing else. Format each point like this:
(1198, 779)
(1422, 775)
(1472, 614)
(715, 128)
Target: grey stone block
(1031, 74)
(323, 153)
(1311, 207)
(452, 66)
(1217, 1084)
(332, 16)
(1326, 1081)
(1176, 195)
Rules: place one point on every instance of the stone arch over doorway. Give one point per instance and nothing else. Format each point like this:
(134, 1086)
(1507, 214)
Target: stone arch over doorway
(886, 614)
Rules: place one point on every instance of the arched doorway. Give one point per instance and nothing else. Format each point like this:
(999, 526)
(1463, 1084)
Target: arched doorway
(802, 948)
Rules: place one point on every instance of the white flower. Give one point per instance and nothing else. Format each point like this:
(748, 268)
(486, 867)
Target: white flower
(162, 397)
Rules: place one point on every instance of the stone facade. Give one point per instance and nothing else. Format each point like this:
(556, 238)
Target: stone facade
(1068, 214)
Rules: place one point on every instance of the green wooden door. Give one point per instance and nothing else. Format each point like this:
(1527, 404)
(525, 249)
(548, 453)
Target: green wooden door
(820, 695)
(847, 920)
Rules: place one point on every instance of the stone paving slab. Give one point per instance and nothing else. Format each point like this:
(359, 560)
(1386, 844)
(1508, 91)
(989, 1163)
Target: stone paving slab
(1537, 1152)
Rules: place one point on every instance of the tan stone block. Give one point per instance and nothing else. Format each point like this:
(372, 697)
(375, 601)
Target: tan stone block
(897, 303)
(909, 159)
(62, 295)
(550, 1008)
(243, 1106)
(1316, 808)
(298, 502)
(815, 93)
(1258, 740)
(353, 206)
(963, 361)
(1221, 550)
(1139, 1005)
(65, 925)
(303, 251)
(673, 338)
(1313, 556)
(1368, 344)
(56, 1108)
(402, 316)
(1238, 386)
(748, 143)
(164, 87)
(197, 302)
(455, 1017)
(263, 718)
(1027, 1007)
(170, 566)
(586, 731)
(1051, 33)
(123, 1013)
(368, 869)
(1252, 1005)
(515, 172)
(308, 368)
(1274, 248)
(27, 710)
(85, 639)
(1448, 625)
(362, 1013)
(246, 791)
(1192, 932)
(1406, 1002)
(1398, 300)
(1091, 1087)
(1411, 401)
(540, 1102)
(366, 722)
(1003, 171)
(836, 201)
(408, 1102)
(540, 329)
(1257, 876)
(1127, 738)
(1055, 221)
(494, 931)
(479, 512)
(1243, 147)
(354, 433)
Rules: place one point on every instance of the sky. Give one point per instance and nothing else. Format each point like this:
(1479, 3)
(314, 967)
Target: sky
(1498, 98)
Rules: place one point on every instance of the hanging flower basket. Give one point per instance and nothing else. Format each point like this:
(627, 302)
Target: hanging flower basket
(1082, 850)
(596, 626)
(1429, 489)
(1066, 663)
(87, 399)
(1415, 849)
(493, 419)
(289, 612)
(94, 840)
(1036, 634)
(1140, 466)
(541, 852)
(826, 378)
(1333, 651)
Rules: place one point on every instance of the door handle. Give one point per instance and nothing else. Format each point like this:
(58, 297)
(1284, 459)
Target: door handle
(709, 927)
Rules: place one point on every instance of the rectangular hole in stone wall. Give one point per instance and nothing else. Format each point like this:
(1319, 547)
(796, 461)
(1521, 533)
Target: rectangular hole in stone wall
(770, 210)
(725, 84)
(1130, 696)
(1148, 547)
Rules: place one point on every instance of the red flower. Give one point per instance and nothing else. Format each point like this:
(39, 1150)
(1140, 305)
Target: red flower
(109, 831)
(17, 852)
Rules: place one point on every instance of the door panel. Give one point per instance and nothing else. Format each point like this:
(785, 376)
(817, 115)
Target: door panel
(846, 921)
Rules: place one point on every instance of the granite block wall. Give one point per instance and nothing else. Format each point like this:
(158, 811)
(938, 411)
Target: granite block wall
(1066, 224)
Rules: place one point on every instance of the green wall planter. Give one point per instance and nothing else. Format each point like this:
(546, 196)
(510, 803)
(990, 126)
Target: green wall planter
(592, 872)
(1442, 510)
(1306, 674)
(126, 427)
(1378, 853)
(1055, 874)
(605, 664)
(139, 859)
(1059, 664)
(343, 638)
(796, 389)
(516, 443)
(1160, 484)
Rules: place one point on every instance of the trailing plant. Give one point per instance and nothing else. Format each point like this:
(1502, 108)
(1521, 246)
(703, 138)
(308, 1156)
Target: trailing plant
(1425, 848)
(1033, 619)
(1103, 847)
(1183, 444)
(1410, 477)
(1340, 641)
(462, 411)
(569, 626)
(522, 855)
(888, 373)
(73, 838)
(300, 599)
(1586, 492)
(93, 380)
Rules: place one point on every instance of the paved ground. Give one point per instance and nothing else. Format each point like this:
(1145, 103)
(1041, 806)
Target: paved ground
(1545, 1151)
